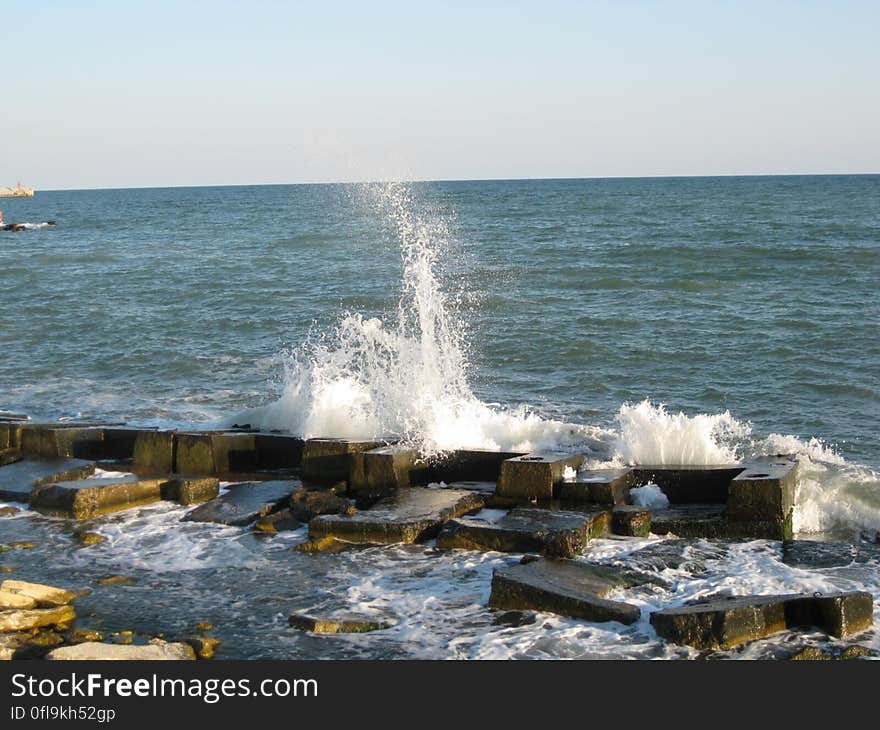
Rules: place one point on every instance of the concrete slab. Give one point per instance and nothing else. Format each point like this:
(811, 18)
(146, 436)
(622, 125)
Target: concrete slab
(87, 498)
(19, 479)
(555, 533)
(408, 516)
(244, 503)
(565, 587)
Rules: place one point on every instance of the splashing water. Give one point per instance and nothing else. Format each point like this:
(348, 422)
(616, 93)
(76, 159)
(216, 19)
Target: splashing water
(651, 435)
(405, 379)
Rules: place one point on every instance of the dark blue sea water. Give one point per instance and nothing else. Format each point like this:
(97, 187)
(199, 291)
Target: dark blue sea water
(467, 313)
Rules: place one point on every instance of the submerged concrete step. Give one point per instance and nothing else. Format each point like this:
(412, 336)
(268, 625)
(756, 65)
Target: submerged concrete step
(565, 587)
(18, 480)
(87, 498)
(555, 533)
(409, 515)
(244, 503)
(728, 622)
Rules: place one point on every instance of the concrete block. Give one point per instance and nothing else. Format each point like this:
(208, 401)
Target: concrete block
(764, 490)
(535, 476)
(154, 452)
(329, 461)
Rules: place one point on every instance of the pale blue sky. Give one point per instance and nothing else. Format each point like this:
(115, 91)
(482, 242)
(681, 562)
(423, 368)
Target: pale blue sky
(117, 94)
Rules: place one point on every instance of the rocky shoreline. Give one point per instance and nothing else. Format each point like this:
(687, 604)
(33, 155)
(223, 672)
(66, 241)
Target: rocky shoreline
(352, 494)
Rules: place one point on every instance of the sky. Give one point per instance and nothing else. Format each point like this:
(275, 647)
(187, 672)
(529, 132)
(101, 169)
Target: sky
(131, 94)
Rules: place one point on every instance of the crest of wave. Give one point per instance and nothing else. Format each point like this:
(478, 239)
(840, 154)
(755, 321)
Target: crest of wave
(406, 378)
(649, 434)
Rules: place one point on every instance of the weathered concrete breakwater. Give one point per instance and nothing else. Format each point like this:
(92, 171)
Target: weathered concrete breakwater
(545, 512)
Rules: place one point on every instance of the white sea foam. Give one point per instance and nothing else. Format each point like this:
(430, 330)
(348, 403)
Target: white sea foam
(649, 434)
(649, 495)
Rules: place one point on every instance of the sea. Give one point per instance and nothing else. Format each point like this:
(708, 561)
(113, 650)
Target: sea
(689, 320)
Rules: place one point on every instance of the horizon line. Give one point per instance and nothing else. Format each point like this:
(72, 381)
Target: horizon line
(462, 180)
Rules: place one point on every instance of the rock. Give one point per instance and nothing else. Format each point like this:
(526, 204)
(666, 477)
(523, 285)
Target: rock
(408, 516)
(93, 651)
(88, 498)
(114, 580)
(810, 653)
(203, 646)
(28, 645)
(244, 503)
(535, 476)
(122, 637)
(813, 554)
(44, 596)
(11, 643)
(684, 555)
(328, 545)
(9, 600)
(7, 569)
(565, 587)
(81, 636)
(515, 619)
(90, 538)
(631, 521)
(9, 456)
(19, 479)
(856, 652)
(728, 622)
(35, 618)
(280, 521)
(307, 504)
(204, 626)
(468, 465)
(605, 486)
(8, 511)
(329, 461)
(347, 625)
(22, 545)
(190, 490)
(154, 452)
(554, 533)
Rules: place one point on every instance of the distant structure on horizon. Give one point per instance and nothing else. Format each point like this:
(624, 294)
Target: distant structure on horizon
(17, 192)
